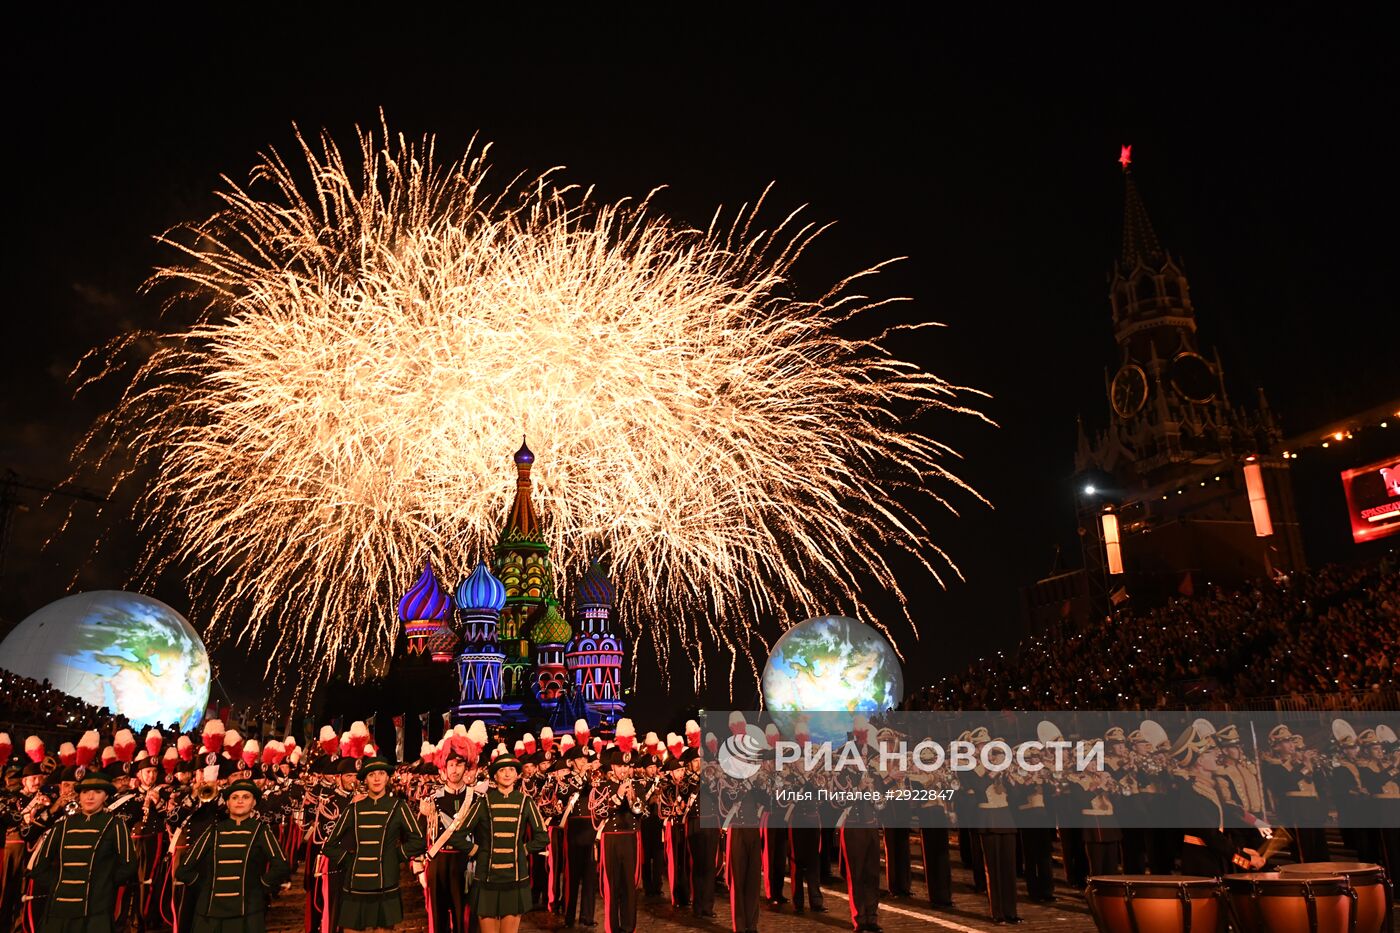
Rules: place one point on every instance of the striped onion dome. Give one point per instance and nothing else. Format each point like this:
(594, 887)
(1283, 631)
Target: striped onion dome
(424, 599)
(596, 589)
(480, 591)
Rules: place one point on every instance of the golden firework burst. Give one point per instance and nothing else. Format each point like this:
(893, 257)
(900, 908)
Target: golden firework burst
(369, 343)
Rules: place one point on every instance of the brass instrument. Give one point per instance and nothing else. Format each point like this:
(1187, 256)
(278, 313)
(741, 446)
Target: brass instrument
(207, 793)
(40, 801)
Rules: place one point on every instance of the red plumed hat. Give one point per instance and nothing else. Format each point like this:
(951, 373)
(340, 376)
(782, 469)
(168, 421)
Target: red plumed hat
(87, 747)
(213, 735)
(124, 744)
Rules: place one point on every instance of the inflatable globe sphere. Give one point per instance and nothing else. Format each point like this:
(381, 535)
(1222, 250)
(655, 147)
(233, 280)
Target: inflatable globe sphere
(825, 671)
(130, 653)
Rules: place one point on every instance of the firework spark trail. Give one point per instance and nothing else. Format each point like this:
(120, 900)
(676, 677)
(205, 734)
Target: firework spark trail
(368, 346)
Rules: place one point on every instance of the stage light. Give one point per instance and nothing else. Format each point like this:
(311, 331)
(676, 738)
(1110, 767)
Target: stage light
(1089, 490)
(1110, 538)
(1324, 443)
(1258, 501)
(1338, 435)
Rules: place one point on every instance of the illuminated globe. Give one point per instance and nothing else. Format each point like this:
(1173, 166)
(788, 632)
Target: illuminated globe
(834, 666)
(130, 653)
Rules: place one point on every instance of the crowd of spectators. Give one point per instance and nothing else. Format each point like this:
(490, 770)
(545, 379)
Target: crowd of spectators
(1327, 631)
(36, 704)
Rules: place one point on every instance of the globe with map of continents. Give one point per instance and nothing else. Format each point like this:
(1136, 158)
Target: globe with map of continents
(825, 671)
(130, 653)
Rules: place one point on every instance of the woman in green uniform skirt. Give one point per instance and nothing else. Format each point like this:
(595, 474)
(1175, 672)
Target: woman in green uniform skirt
(234, 868)
(371, 840)
(508, 828)
(82, 861)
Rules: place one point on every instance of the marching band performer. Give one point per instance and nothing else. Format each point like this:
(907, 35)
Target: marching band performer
(653, 830)
(580, 869)
(370, 840)
(1293, 778)
(235, 867)
(1037, 831)
(676, 798)
(510, 828)
(702, 834)
(445, 889)
(531, 783)
(1241, 790)
(861, 837)
(617, 812)
(148, 838)
(1207, 850)
(1094, 793)
(804, 842)
(898, 858)
(549, 797)
(997, 833)
(82, 861)
(1378, 781)
(744, 849)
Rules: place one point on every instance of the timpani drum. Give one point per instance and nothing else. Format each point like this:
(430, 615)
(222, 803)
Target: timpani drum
(1374, 898)
(1267, 902)
(1156, 904)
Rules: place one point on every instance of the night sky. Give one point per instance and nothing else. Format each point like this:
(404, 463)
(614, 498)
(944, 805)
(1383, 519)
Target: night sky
(985, 151)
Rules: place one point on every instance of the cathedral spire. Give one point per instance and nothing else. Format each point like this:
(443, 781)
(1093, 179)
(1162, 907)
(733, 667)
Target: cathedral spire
(522, 524)
(1140, 242)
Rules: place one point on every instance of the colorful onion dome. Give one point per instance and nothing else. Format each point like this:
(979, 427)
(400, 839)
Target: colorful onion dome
(480, 591)
(425, 599)
(442, 644)
(551, 629)
(524, 454)
(596, 589)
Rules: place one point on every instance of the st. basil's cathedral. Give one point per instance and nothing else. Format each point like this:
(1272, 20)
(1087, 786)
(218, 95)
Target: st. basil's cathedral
(516, 657)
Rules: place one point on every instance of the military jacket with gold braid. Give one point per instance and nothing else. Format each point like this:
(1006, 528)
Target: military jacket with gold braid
(371, 840)
(505, 827)
(234, 868)
(82, 862)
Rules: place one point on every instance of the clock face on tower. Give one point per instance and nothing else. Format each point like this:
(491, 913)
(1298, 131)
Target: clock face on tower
(1193, 377)
(1129, 390)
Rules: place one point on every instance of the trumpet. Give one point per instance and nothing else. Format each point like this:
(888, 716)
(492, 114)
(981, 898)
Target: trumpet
(207, 793)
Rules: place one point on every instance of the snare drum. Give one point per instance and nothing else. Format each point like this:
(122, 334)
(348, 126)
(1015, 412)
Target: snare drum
(1267, 902)
(1374, 899)
(1156, 904)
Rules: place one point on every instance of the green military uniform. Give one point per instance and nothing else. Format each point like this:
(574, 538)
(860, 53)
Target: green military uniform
(233, 870)
(82, 862)
(370, 842)
(497, 822)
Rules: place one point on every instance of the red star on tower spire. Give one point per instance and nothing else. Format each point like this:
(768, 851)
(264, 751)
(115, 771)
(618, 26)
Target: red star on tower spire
(1125, 157)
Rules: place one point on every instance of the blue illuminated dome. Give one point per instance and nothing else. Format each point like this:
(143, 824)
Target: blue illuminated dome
(481, 591)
